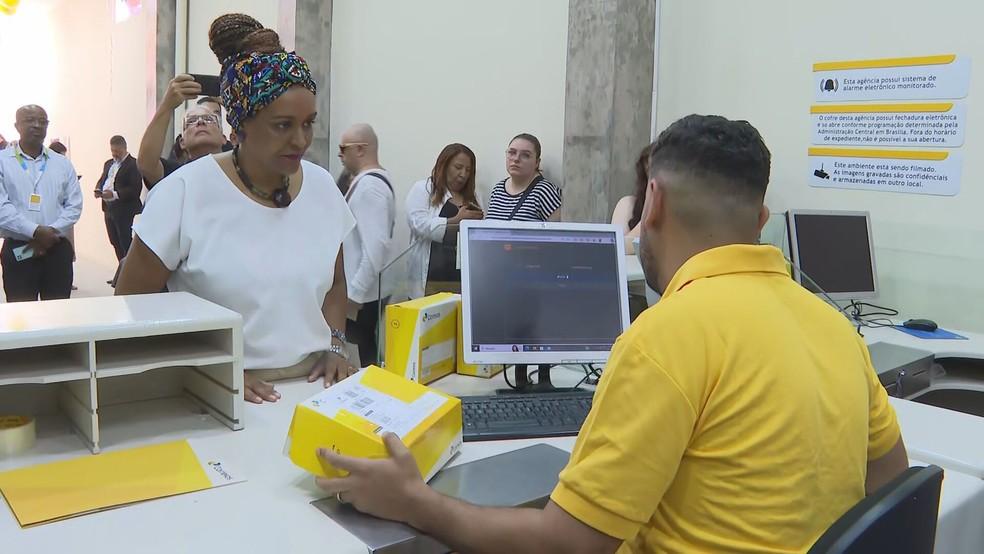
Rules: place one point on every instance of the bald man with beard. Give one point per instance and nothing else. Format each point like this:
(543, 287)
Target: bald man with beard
(368, 246)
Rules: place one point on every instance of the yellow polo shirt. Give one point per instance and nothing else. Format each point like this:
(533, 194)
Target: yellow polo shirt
(737, 415)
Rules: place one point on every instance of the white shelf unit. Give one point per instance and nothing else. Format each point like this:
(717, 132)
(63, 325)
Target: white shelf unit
(109, 355)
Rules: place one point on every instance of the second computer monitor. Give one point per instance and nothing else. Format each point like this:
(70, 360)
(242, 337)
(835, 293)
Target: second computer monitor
(834, 252)
(541, 293)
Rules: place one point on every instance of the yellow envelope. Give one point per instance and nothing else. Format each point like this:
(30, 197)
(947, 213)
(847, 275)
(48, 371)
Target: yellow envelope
(60, 490)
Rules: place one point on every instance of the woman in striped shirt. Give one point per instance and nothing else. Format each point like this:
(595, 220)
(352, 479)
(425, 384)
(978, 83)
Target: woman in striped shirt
(525, 195)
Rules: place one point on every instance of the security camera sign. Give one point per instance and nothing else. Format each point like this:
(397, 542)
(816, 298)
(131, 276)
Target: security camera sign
(890, 124)
(910, 171)
(912, 78)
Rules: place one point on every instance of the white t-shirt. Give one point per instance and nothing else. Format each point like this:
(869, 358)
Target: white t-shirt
(271, 265)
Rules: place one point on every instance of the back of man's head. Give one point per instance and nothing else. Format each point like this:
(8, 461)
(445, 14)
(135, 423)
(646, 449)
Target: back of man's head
(363, 133)
(714, 171)
(359, 148)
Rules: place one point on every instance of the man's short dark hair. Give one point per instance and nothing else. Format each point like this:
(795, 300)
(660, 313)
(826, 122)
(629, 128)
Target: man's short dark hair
(117, 140)
(729, 155)
(209, 100)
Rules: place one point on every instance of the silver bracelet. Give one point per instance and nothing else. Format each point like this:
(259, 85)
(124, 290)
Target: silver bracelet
(338, 351)
(340, 335)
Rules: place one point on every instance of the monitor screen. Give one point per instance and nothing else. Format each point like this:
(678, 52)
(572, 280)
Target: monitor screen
(542, 292)
(834, 251)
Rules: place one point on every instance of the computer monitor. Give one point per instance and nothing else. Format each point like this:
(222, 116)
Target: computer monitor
(541, 293)
(835, 251)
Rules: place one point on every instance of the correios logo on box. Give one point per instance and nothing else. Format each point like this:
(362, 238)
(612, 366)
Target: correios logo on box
(217, 467)
(431, 316)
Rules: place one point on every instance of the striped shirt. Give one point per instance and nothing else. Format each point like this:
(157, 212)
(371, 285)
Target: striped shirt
(542, 201)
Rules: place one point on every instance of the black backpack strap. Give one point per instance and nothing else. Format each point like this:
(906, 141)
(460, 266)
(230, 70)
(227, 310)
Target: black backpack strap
(379, 176)
(522, 198)
(383, 179)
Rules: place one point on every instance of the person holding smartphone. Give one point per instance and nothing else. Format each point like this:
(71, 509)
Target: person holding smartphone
(201, 131)
(435, 207)
(119, 189)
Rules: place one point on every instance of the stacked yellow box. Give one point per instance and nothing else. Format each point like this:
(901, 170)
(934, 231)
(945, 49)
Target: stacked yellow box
(475, 370)
(421, 336)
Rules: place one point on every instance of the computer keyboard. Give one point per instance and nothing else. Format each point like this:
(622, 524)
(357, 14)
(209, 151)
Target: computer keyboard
(524, 416)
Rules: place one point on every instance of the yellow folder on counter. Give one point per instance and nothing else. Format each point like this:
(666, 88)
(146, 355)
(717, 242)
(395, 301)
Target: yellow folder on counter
(60, 490)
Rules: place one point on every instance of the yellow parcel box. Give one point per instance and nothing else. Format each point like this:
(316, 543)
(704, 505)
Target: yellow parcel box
(351, 416)
(475, 370)
(421, 336)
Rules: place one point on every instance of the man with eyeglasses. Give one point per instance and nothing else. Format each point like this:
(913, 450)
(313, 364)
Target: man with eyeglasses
(40, 201)
(215, 105)
(201, 131)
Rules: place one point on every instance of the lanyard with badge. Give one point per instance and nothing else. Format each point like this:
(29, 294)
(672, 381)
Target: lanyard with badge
(34, 204)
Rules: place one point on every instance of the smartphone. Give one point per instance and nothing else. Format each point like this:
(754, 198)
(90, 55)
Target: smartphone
(22, 253)
(209, 83)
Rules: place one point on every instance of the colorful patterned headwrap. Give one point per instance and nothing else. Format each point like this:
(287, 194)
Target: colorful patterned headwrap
(252, 82)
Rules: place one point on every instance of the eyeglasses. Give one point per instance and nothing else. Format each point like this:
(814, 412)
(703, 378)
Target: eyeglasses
(521, 154)
(206, 119)
(344, 145)
(36, 121)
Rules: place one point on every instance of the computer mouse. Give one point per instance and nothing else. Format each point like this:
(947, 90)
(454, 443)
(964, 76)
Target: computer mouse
(920, 324)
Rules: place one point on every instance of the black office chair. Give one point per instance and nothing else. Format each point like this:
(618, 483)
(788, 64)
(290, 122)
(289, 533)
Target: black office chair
(899, 518)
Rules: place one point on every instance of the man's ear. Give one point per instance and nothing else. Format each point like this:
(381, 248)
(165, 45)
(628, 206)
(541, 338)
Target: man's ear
(655, 203)
(763, 217)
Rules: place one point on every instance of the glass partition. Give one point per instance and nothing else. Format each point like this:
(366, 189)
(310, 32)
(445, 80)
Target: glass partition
(394, 286)
(776, 233)
(404, 279)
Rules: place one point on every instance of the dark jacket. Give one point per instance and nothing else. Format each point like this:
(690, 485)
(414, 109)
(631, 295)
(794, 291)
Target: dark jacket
(128, 186)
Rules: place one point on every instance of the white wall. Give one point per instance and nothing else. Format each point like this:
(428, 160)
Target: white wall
(33, 23)
(201, 14)
(193, 54)
(94, 86)
(431, 72)
(753, 60)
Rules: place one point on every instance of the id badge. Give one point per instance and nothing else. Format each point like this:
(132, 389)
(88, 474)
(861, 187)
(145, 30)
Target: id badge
(34, 204)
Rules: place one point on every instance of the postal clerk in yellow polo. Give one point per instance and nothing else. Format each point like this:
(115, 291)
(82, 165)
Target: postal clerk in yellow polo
(739, 414)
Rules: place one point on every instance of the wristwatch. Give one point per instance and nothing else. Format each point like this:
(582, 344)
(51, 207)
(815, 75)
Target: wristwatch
(336, 334)
(338, 351)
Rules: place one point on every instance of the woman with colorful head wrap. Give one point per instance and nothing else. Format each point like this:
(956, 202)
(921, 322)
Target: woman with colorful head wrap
(257, 229)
